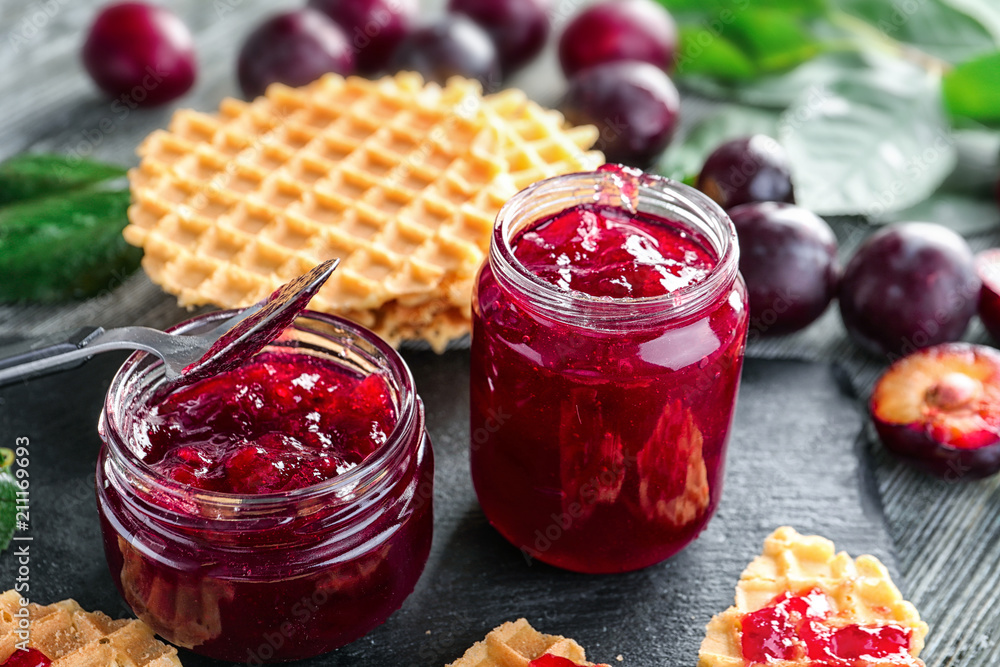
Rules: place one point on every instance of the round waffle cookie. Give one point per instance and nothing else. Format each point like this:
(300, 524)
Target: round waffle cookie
(71, 637)
(517, 644)
(400, 179)
(860, 592)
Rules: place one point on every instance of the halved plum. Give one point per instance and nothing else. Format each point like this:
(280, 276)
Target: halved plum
(939, 410)
(988, 268)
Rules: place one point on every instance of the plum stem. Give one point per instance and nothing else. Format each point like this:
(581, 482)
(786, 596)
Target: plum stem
(873, 35)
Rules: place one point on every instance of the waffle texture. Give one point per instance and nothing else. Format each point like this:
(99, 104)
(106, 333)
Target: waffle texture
(400, 179)
(860, 589)
(516, 645)
(72, 637)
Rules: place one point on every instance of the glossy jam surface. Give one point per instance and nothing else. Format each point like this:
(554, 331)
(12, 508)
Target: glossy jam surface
(29, 658)
(608, 251)
(280, 422)
(299, 575)
(549, 660)
(602, 450)
(805, 628)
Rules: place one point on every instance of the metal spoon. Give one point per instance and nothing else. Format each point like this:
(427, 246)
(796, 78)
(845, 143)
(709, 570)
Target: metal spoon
(186, 358)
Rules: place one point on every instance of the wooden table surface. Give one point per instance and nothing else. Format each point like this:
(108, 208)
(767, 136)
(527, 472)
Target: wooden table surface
(947, 536)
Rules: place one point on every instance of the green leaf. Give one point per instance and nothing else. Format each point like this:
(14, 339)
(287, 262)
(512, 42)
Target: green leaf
(777, 91)
(8, 498)
(720, 10)
(938, 27)
(65, 247)
(60, 229)
(774, 39)
(705, 53)
(964, 214)
(972, 89)
(868, 144)
(738, 45)
(687, 153)
(34, 175)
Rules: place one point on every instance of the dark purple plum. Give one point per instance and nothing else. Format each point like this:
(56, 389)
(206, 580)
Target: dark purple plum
(619, 30)
(454, 46)
(140, 52)
(745, 170)
(788, 258)
(518, 28)
(633, 104)
(293, 48)
(988, 269)
(374, 28)
(909, 286)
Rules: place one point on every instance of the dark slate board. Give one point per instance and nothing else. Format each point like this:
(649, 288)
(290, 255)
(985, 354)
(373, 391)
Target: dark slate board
(794, 458)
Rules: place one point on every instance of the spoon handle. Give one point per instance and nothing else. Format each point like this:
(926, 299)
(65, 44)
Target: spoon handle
(37, 356)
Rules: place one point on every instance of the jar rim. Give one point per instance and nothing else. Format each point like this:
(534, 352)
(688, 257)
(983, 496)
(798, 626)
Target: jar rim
(361, 477)
(612, 312)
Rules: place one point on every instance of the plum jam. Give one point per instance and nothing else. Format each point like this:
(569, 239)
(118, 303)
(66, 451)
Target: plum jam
(609, 326)
(803, 628)
(275, 511)
(280, 422)
(549, 660)
(27, 658)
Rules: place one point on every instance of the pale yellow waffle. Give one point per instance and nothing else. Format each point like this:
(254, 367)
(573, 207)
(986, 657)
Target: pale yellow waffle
(516, 645)
(537, 142)
(861, 592)
(71, 637)
(399, 179)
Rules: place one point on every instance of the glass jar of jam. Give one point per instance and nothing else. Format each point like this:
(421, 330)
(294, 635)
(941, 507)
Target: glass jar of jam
(273, 512)
(609, 326)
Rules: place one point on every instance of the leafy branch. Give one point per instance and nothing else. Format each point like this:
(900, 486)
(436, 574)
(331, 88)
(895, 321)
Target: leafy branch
(870, 97)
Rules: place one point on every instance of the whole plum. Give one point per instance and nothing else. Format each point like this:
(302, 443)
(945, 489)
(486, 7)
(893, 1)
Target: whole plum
(788, 258)
(518, 28)
(374, 27)
(140, 51)
(619, 30)
(293, 48)
(634, 105)
(909, 286)
(454, 46)
(747, 169)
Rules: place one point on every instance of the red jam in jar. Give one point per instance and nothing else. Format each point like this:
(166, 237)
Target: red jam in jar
(609, 327)
(804, 628)
(277, 510)
(280, 422)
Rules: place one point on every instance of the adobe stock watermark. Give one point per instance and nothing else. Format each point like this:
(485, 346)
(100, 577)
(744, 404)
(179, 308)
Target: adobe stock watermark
(902, 12)
(21, 541)
(964, 298)
(35, 19)
(913, 168)
(589, 494)
(437, 644)
(121, 108)
(303, 611)
(712, 31)
(494, 421)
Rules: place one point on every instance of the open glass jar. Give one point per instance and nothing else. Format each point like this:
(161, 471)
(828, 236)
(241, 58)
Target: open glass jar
(599, 425)
(275, 576)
